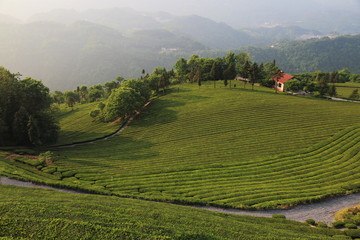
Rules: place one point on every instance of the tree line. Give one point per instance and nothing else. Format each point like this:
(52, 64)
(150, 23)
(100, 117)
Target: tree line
(227, 68)
(322, 83)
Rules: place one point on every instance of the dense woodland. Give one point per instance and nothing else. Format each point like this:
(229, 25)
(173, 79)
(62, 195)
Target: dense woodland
(25, 114)
(324, 54)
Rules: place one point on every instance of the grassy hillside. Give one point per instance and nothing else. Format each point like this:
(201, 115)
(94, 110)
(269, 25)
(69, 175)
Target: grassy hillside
(224, 147)
(77, 125)
(45, 214)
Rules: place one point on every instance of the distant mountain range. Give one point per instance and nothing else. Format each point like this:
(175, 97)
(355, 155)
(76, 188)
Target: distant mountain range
(65, 56)
(66, 48)
(203, 30)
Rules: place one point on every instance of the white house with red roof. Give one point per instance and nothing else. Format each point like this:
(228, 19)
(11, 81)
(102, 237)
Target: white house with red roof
(280, 81)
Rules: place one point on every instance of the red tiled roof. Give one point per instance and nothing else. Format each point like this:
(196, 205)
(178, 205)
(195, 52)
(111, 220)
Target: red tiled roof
(284, 78)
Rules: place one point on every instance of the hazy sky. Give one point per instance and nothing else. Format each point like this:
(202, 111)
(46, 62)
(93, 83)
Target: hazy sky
(219, 10)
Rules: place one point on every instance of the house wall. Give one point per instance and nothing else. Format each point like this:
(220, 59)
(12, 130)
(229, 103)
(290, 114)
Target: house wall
(280, 87)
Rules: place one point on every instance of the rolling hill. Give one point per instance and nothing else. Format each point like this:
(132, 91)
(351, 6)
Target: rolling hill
(223, 147)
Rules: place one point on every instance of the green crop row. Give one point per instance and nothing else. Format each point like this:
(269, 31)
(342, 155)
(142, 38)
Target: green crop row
(45, 214)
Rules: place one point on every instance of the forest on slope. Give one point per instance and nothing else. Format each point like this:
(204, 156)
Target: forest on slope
(324, 54)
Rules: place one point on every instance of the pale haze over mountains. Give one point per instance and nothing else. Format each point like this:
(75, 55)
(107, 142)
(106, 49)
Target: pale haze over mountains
(67, 43)
(237, 13)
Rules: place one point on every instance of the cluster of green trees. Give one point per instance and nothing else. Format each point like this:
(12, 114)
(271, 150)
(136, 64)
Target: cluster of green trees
(120, 98)
(85, 94)
(130, 95)
(25, 113)
(198, 69)
(321, 83)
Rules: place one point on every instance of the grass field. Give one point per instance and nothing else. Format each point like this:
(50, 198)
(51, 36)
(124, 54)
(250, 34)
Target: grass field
(345, 89)
(45, 214)
(77, 125)
(225, 147)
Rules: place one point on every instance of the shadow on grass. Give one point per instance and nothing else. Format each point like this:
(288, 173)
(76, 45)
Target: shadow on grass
(109, 153)
(158, 112)
(66, 114)
(68, 137)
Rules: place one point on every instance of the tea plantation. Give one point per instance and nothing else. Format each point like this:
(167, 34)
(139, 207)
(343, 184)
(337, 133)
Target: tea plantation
(45, 214)
(223, 147)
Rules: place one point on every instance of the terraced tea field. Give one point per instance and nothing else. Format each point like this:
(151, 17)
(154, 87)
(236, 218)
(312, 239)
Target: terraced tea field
(223, 147)
(45, 214)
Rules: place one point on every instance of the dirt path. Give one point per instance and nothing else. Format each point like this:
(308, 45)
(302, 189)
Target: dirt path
(323, 211)
(343, 100)
(13, 182)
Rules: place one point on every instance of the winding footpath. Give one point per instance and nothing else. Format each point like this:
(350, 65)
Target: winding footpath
(320, 212)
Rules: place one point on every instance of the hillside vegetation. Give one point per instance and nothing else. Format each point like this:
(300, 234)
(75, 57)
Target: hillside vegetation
(312, 55)
(45, 214)
(225, 147)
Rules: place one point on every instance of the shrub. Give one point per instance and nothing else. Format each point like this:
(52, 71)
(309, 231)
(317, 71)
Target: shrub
(49, 170)
(47, 157)
(350, 226)
(94, 113)
(349, 220)
(189, 236)
(68, 174)
(278, 216)
(322, 225)
(353, 233)
(311, 221)
(341, 237)
(338, 224)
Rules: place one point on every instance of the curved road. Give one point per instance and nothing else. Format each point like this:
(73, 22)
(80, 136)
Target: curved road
(320, 212)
